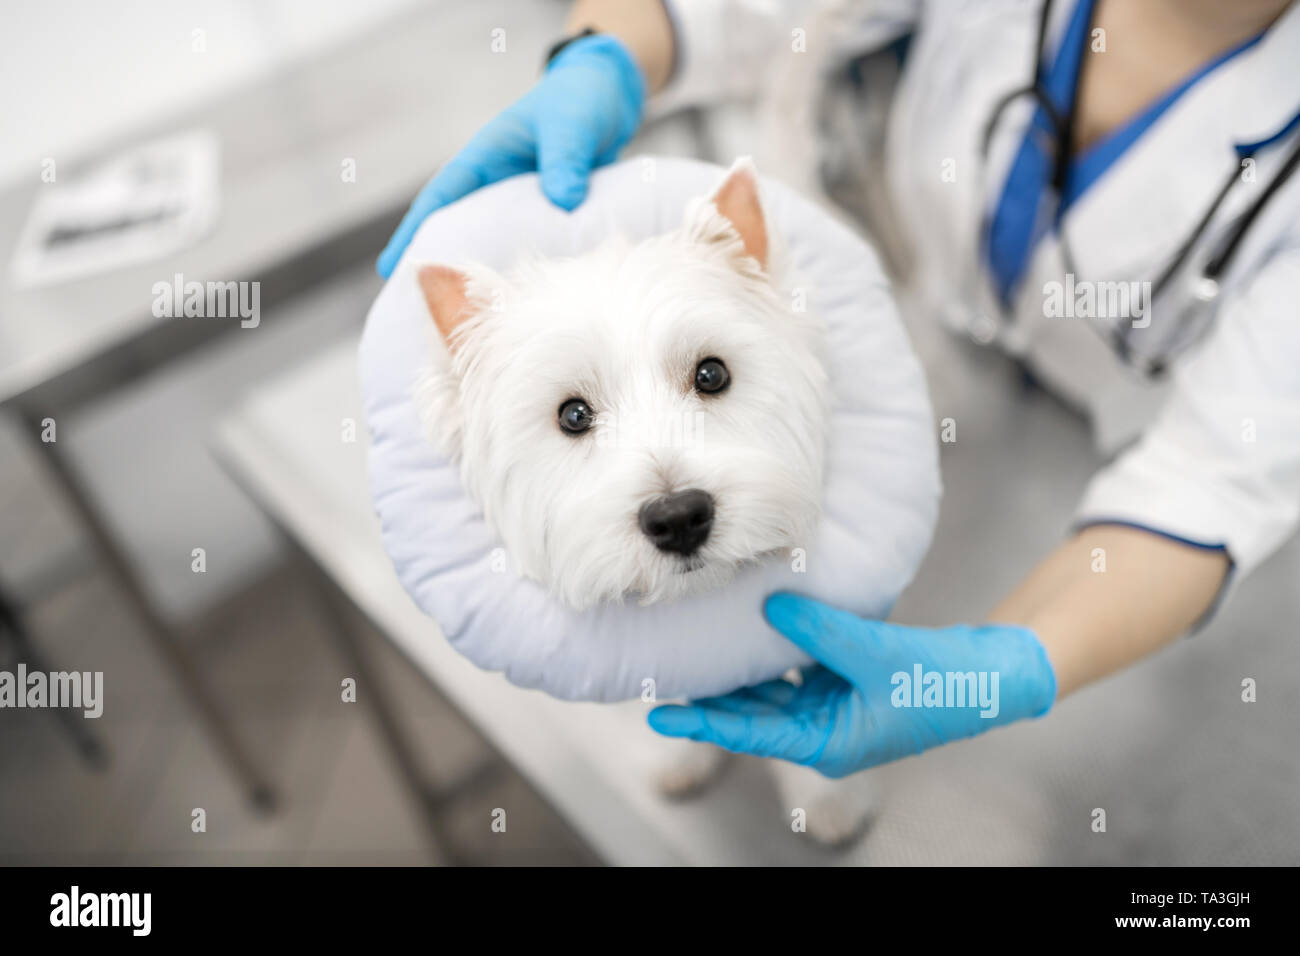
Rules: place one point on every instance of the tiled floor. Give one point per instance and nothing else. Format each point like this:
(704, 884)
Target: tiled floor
(270, 659)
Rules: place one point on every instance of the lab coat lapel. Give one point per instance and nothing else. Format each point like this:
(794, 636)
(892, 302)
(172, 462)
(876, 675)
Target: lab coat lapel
(1130, 222)
(1269, 71)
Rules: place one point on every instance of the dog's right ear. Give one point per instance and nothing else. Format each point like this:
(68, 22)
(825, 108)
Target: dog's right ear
(446, 295)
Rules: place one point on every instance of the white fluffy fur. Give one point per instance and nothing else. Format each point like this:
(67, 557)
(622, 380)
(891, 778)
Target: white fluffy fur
(624, 327)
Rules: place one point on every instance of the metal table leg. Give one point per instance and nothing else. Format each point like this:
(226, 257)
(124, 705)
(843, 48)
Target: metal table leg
(335, 610)
(88, 745)
(170, 651)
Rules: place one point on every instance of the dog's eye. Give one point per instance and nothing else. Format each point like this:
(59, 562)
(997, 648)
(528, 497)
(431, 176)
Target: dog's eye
(576, 416)
(711, 376)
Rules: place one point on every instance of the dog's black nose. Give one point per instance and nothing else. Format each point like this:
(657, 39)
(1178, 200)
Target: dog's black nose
(679, 522)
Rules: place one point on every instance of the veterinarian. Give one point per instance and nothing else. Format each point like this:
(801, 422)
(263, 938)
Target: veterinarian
(1104, 188)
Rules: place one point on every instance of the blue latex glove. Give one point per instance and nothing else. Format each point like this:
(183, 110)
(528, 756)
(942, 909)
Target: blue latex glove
(849, 715)
(578, 116)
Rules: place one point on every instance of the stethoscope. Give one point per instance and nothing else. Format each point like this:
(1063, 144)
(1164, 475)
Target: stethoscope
(1206, 287)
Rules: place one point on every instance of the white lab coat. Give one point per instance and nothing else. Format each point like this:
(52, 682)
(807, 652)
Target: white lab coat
(1216, 459)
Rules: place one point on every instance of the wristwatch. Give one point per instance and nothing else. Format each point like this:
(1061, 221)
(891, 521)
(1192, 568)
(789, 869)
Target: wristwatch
(560, 44)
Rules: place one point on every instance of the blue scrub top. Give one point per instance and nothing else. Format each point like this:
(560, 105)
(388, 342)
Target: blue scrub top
(1023, 216)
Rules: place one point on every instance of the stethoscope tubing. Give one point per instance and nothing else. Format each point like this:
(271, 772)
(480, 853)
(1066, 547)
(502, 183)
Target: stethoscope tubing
(1063, 129)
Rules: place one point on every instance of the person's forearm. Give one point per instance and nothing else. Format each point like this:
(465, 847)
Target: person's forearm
(1111, 595)
(642, 25)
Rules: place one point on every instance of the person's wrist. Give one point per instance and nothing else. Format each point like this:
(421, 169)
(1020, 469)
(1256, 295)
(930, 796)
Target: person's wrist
(564, 42)
(1032, 666)
(609, 50)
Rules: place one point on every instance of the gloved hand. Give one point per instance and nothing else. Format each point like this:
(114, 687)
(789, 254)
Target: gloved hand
(578, 116)
(872, 702)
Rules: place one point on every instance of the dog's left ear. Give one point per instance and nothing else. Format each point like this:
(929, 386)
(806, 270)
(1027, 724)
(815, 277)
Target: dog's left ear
(737, 201)
(445, 293)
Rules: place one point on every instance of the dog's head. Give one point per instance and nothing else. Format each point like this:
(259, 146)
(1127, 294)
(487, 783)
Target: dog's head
(642, 419)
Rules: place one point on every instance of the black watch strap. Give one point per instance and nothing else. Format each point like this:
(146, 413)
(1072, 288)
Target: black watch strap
(559, 45)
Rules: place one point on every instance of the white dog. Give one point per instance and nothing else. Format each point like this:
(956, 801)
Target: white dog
(644, 419)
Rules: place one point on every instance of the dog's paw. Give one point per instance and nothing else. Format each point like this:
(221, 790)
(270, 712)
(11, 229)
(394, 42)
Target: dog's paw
(835, 812)
(837, 819)
(687, 768)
